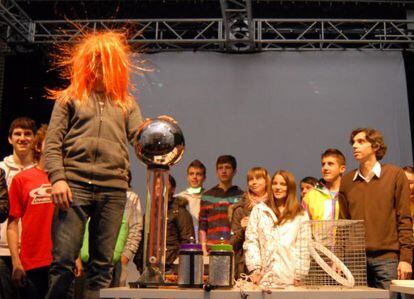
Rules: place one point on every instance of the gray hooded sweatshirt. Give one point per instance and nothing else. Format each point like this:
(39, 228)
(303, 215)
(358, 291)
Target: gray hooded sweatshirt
(87, 143)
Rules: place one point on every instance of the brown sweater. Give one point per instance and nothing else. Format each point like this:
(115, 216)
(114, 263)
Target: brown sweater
(383, 204)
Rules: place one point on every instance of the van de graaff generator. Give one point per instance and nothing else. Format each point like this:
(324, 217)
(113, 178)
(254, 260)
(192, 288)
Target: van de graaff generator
(159, 144)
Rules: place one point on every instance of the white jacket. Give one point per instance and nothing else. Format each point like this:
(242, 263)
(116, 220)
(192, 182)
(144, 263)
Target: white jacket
(279, 252)
(11, 168)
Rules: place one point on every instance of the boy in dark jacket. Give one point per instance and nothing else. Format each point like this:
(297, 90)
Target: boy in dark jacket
(180, 228)
(241, 211)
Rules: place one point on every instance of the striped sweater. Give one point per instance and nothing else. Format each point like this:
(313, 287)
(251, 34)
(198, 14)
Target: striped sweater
(213, 217)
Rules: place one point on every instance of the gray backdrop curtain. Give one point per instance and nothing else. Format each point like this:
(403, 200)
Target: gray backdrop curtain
(279, 110)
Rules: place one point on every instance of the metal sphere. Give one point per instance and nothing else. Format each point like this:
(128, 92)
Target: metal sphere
(160, 142)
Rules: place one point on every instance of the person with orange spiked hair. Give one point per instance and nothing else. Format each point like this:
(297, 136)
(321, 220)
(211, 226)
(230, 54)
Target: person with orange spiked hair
(87, 161)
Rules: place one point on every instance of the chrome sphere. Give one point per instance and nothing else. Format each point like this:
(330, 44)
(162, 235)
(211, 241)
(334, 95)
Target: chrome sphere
(160, 142)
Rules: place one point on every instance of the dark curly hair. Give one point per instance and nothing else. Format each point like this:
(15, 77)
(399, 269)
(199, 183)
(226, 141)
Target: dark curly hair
(374, 137)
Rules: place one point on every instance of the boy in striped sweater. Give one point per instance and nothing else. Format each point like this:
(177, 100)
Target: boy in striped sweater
(214, 224)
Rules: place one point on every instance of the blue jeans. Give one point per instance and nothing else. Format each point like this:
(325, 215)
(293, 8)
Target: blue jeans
(7, 289)
(36, 284)
(105, 207)
(78, 287)
(116, 277)
(380, 272)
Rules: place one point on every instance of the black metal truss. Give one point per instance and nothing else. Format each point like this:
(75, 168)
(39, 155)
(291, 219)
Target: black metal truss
(238, 25)
(267, 34)
(334, 34)
(15, 24)
(236, 31)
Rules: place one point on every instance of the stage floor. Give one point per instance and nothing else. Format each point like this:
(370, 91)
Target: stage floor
(287, 293)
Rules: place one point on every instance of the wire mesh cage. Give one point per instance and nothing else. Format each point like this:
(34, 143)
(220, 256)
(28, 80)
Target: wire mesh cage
(337, 253)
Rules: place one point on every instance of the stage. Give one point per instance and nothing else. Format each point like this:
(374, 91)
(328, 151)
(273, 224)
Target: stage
(287, 293)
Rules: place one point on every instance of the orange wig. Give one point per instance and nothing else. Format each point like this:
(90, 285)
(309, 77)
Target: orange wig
(104, 55)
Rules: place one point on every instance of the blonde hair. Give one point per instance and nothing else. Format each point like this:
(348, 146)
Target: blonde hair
(258, 172)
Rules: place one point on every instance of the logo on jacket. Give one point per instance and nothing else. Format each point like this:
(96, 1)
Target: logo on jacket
(41, 195)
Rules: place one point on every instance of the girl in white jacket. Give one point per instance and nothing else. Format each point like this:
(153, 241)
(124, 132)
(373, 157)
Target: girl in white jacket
(277, 237)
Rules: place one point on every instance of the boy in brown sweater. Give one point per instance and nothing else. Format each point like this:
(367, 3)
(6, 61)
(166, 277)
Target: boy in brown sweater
(379, 195)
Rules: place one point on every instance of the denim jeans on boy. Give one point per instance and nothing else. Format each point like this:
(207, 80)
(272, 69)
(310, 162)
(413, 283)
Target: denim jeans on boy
(105, 207)
(36, 284)
(380, 272)
(7, 289)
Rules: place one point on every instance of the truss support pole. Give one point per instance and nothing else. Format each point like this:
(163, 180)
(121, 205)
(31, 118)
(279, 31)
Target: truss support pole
(238, 25)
